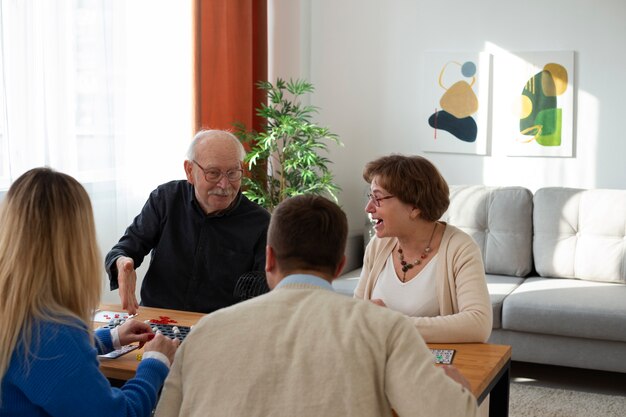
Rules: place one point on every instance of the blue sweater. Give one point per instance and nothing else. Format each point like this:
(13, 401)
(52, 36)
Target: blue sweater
(62, 378)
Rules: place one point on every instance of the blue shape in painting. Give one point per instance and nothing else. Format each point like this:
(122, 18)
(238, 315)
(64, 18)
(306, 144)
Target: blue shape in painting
(468, 69)
(464, 129)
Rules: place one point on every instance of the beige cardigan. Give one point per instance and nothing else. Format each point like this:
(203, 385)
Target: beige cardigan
(305, 351)
(464, 304)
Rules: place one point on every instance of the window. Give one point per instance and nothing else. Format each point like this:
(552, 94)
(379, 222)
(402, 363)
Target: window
(100, 90)
(81, 80)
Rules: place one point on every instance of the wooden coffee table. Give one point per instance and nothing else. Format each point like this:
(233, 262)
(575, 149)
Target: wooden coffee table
(124, 367)
(486, 366)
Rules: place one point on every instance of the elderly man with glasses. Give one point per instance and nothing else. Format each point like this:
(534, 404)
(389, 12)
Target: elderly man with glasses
(203, 233)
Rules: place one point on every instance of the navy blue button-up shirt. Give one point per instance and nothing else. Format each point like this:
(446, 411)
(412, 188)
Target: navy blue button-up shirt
(196, 258)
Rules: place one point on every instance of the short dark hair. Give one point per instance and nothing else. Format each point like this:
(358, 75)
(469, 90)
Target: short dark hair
(413, 180)
(308, 232)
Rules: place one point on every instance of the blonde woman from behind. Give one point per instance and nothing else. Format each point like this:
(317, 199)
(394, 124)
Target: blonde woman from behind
(49, 288)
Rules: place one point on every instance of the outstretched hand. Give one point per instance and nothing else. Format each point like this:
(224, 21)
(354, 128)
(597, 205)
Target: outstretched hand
(126, 279)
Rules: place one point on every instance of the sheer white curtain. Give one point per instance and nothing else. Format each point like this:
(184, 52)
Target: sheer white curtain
(101, 90)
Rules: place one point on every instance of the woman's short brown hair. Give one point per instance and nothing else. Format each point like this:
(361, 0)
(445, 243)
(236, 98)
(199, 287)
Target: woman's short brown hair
(308, 232)
(413, 180)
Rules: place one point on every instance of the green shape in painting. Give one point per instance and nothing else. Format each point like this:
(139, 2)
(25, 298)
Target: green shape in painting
(534, 90)
(551, 120)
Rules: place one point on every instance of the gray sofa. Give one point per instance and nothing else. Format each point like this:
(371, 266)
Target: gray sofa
(555, 264)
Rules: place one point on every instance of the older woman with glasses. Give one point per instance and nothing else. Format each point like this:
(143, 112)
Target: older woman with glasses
(422, 267)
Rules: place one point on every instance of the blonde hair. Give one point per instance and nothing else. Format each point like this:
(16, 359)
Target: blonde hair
(49, 259)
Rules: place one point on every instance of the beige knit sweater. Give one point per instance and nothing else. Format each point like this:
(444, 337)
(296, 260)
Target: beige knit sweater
(302, 351)
(464, 305)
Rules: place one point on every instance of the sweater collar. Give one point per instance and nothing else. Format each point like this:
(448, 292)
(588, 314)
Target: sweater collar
(305, 279)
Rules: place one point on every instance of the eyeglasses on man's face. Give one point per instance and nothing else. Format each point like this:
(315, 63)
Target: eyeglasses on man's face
(377, 200)
(214, 174)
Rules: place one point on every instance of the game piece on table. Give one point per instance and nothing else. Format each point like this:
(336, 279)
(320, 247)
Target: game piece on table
(106, 316)
(162, 320)
(169, 330)
(174, 332)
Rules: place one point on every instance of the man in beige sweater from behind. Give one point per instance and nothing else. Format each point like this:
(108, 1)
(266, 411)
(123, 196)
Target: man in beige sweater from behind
(303, 350)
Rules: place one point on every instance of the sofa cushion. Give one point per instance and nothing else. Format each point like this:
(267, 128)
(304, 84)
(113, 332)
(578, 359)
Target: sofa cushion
(580, 234)
(346, 283)
(500, 221)
(499, 287)
(567, 307)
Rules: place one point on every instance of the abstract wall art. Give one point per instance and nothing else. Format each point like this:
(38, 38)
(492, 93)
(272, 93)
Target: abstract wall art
(534, 103)
(455, 102)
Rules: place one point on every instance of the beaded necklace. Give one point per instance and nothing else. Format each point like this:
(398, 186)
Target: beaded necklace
(405, 265)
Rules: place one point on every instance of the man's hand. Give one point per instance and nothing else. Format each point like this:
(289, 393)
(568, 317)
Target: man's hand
(126, 279)
(456, 375)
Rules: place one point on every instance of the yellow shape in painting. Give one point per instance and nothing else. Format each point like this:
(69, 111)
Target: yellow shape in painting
(460, 100)
(547, 84)
(526, 107)
(559, 76)
(532, 130)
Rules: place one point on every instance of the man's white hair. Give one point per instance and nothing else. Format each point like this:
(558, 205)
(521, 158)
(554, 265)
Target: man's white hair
(209, 133)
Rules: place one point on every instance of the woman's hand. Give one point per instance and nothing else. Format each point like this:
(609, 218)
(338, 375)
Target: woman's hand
(163, 344)
(134, 331)
(457, 376)
(379, 302)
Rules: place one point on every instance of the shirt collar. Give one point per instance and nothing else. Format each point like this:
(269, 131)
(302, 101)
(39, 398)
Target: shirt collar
(305, 279)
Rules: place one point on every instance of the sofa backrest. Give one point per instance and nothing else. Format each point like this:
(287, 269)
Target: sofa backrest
(500, 221)
(580, 234)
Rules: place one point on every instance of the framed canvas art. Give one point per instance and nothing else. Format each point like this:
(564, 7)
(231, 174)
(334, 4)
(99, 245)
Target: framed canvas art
(453, 115)
(534, 103)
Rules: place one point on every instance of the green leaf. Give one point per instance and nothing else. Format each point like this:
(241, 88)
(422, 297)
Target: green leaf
(287, 147)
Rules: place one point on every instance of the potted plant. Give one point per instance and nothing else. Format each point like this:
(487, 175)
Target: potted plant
(284, 158)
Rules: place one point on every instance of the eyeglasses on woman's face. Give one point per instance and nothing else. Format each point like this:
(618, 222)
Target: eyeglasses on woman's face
(377, 200)
(214, 174)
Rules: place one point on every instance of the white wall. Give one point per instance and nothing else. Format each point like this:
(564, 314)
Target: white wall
(365, 60)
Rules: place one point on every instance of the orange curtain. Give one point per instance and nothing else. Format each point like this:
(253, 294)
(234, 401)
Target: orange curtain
(231, 57)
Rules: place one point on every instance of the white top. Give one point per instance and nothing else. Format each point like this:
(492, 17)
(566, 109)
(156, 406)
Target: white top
(415, 298)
